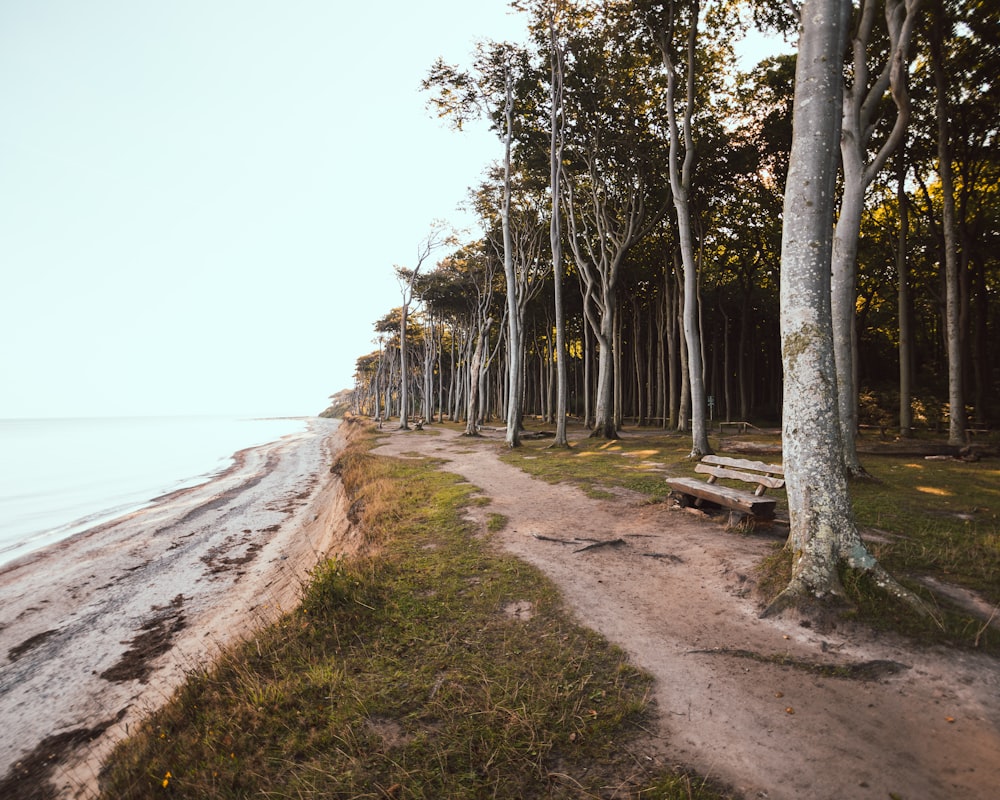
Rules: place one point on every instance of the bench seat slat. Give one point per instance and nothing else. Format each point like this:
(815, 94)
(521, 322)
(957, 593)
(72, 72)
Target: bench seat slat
(758, 506)
(722, 472)
(742, 463)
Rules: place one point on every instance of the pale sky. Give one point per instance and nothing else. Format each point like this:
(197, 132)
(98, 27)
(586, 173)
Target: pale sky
(201, 201)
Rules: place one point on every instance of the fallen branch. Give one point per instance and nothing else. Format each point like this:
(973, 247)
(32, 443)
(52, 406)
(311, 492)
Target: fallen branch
(543, 538)
(605, 543)
(575, 540)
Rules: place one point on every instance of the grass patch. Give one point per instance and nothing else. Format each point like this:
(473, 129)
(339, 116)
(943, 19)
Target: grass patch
(943, 518)
(401, 676)
(637, 464)
(496, 523)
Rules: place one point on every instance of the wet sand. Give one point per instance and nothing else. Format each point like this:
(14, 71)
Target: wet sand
(98, 630)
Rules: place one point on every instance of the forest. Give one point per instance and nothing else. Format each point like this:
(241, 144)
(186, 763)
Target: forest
(629, 272)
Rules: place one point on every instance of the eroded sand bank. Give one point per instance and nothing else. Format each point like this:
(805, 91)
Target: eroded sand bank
(99, 629)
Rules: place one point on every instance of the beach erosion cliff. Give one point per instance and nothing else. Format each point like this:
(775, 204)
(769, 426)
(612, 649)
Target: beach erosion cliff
(100, 629)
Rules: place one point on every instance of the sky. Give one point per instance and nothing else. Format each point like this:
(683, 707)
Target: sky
(202, 201)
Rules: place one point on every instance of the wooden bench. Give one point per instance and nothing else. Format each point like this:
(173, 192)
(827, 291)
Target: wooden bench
(691, 491)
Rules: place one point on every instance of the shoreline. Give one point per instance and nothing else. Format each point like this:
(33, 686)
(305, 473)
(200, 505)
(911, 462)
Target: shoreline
(83, 516)
(98, 629)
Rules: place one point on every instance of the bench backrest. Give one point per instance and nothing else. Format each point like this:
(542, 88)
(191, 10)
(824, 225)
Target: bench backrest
(766, 476)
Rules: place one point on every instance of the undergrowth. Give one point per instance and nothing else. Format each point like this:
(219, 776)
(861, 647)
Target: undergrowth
(402, 675)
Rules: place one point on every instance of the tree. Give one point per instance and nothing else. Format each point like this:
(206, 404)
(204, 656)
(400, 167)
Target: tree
(407, 280)
(611, 174)
(557, 59)
(489, 89)
(903, 302)
(863, 105)
(663, 22)
(953, 336)
(823, 533)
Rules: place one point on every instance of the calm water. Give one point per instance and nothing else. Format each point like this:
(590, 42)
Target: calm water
(61, 476)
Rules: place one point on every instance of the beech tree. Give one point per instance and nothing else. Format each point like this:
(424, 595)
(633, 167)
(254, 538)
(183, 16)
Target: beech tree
(863, 105)
(664, 21)
(614, 192)
(407, 282)
(949, 224)
(823, 533)
(490, 89)
(557, 60)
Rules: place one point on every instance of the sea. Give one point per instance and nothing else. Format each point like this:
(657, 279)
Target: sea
(59, 477)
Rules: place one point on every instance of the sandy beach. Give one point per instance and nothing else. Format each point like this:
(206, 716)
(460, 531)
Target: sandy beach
(99, 629)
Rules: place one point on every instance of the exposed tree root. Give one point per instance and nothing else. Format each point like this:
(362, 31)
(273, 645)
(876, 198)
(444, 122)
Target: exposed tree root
(801, 595)
(891, 586)
(605, 432)
(861, 475)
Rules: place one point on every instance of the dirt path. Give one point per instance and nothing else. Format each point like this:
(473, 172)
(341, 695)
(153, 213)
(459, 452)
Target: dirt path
(98, 630)
(676, 595)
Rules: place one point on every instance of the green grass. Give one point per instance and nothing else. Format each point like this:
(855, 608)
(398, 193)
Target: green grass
(638, 464)
(927, 518)
(402, 675)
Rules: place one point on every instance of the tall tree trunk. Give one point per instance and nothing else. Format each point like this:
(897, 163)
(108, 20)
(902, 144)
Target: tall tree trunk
(980, 349)
(862, 103)
(404, 375)
(588, 369)
(555, 223)
(745, 362)
(726, 398)
(823, 534)
(956, 393)
(680, 185)
(661, 361)
(619, 368)
(604, 412)
(904, 302)
(514, 349)
(673, 357)
(475, 380)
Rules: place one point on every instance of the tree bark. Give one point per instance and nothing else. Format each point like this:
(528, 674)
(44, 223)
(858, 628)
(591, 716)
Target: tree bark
(823, 533)
(555, 223)
(904, 302)
(956, 393)
(514, 353)
(680, 185)
(862, 103)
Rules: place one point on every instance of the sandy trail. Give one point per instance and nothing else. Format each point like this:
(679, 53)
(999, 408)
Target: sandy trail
(99, 629)
(678, 592)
